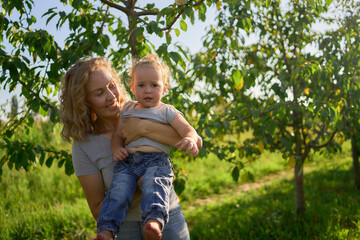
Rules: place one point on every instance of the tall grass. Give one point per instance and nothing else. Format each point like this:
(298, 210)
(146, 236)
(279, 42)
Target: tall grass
(43, 204)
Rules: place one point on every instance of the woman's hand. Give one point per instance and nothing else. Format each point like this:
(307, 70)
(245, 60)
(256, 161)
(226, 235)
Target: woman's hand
(132, 129)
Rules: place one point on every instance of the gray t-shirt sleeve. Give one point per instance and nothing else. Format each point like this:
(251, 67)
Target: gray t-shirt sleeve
(81, 161)
(171, 112)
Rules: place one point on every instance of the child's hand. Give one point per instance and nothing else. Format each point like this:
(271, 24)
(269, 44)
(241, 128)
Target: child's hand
(120, 154)
(189, 144)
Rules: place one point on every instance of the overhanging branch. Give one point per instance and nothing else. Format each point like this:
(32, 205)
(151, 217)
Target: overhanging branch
(312, 145)
(37, 95)
(114, 5)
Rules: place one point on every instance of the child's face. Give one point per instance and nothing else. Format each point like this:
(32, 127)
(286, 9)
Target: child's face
(148, 86)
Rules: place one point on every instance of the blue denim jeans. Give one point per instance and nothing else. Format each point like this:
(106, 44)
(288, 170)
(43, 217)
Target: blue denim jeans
(156, 186)
(175, 229)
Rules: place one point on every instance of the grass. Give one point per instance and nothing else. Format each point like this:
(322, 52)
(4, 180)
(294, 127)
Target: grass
(45, 203)
(268, 212)
(211, 176)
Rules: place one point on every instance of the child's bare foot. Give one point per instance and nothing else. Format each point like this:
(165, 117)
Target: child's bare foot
(152, 230)
(104, 235)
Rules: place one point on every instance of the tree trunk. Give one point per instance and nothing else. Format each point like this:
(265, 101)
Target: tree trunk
(299, 191)
(132, 27)
(356, 165)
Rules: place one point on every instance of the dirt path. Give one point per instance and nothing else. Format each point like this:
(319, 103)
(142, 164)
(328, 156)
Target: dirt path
(267, 180)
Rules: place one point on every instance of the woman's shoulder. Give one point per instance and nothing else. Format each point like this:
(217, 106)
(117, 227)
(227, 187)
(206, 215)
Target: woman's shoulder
(92, 155)
(128, 105)
(92, 141)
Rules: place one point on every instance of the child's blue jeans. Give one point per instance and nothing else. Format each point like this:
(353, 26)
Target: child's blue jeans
(156, 186)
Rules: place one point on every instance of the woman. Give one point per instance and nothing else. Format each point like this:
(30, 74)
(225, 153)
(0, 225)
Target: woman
(90, 99)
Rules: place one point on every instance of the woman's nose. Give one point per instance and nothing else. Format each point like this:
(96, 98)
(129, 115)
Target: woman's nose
(110, 94)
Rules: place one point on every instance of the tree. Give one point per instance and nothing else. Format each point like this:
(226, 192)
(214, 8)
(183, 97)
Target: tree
(294, 110)
(341, 48)
(37, 61)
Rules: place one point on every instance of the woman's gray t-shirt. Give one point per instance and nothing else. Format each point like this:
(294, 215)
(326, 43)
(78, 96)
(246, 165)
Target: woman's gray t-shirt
(95, 156)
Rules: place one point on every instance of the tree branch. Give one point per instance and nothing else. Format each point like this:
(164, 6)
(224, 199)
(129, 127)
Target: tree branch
(146, 12)
(99, 30)
(14, 125)
(312, 145)
(37, 95)
(114, 5)
(178, 15)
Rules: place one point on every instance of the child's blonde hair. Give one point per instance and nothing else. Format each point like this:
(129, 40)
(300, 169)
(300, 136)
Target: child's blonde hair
(154, 61)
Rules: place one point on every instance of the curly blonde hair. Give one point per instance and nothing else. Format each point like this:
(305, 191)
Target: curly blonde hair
(154, 61)
(75, 115)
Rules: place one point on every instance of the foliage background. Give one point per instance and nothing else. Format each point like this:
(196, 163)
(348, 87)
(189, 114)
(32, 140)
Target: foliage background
(308, 80)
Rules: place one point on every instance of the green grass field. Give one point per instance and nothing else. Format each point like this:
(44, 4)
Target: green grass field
(47, 204)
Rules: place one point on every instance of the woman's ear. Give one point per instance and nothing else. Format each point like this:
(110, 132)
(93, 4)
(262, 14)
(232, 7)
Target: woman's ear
(132, 86)
(165, 89)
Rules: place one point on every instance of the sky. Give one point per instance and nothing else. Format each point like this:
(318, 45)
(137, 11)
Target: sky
(190, 39)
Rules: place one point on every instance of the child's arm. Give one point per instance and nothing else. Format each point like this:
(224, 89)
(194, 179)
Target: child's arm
(190, 138)
(117, 144)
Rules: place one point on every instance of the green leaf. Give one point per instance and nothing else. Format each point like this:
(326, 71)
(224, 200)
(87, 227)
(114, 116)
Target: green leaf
(61, 162)
(235, 173)
(49, 161)
(278, 91)
(209, 133)
(238, 79)
(42, 158)
(328, 2)
(209, 73)
(51, 17)
(179, 185)
(183, 25)
(43, 112)
(47, 46)
(69, 169)
(250, 176)
(30, 120)
(8, 133)
(54, 116)
(177, 32)
(162, 50)
(13, 71)
(35, 105)
(189, 11)
(175, 56)
(168, 38)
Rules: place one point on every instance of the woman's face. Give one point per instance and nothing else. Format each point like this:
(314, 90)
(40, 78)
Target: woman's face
(102, 93)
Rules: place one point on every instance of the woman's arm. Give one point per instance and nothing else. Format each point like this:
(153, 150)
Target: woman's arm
(134, 128)
(94, 190)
